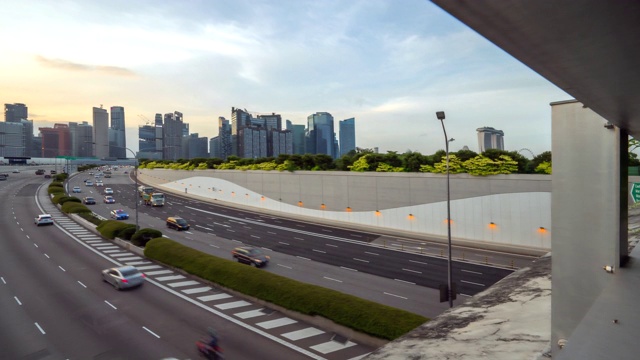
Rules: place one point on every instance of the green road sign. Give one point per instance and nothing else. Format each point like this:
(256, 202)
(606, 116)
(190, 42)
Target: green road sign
(635, 192)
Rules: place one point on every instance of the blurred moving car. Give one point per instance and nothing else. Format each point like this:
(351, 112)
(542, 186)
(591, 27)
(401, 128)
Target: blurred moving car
(43, 219)
(109, 200)
(123, 277)
(178, 223)
(76, 189)
(47, 176)
(16, 171)
(108, 191)
(119, 214)
(89, 183)
(99, 183)
(250, 255)
(89, 200)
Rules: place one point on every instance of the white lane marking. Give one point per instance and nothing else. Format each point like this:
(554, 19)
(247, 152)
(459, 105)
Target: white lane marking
(159, 272)
(4, 282)
(196, 290)
(233, 305)
(346, 268)
(215, 246)
(214, 297)
(284, 266)
(255, 236)
(473, 272)
(27, 236)
(331, 245)
(404, 281)
(320, 251)
(398, 296)
(149, 267)
(413, 271)
(302, 334)
(17, 300)
(420, 262)
(21, 229)
(238, 241)
(327, 230)
(250, 314)
(151, 332)
(184, 283)
(283, 243)
(34, 244)
(331, 346)
(231, 230)
(332, 279)
(47, 256)
(370, 253)
(110, 304)
(356, 235)
(276, 323)
(221, 224)
(40, 328)
(271, 232)
(206, 228)
(170, 278)
(303, 258)
(297, 238)
(61, 268)
(83, 285)
(473, 283)
(266, 249)
(356, 259)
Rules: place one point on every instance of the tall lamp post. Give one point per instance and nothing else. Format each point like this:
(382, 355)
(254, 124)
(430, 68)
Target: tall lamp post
(450, 290)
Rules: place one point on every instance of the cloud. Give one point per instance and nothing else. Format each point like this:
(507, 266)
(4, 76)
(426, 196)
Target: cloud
(71, 66)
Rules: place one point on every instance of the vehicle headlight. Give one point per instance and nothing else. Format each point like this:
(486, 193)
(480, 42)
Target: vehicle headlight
(258, 260)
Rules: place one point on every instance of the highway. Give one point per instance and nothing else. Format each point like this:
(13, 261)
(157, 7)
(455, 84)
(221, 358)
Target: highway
(55, 305)
(342, 259)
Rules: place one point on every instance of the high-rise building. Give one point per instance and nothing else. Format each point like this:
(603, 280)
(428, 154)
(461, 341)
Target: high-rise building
(239, 119)
(281, 142)
(214, 147)
(198, 146)
(271, 122)
(100, 133)
(81, 139)
(15, 112)
(172, 136)
(117, 134)
(320, 134)
(490, 138)
(347, 135)
(298, 138)
(56, 141)
(150, 140)
(224, 144)
(12, 139)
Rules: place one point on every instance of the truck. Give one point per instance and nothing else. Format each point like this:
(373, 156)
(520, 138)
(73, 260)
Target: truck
(143, 189)
(40, 172)
(153, 199)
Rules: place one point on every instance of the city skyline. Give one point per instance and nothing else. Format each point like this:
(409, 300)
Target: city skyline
(389, 66)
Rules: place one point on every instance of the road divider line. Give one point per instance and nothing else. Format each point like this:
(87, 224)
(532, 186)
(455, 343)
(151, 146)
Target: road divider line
(4, 282)
(151, 332)
(110, 304)
(362, 260)
(34, 244)
(215, 246)
(61, 268)
(255, 236)
(284, 266)
(17, 300)
(413, 271)
(404, 281)
(473, 283)
(473, 272)
(271, 232)
(371, 253)
(297, 238)
(27, 236)
(332, 279)
(303, 258)
(47, 256)
(320, 251)
(83, 285)
(267, 249)
(398, 296)
(420, 262)
(331, 245)
(40, 328)
(283, 243)
(346, 268)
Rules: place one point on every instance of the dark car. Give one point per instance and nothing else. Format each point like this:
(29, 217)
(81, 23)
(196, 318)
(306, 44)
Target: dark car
(250, 255)
(123, 277)
(89, 200)
(177, 223)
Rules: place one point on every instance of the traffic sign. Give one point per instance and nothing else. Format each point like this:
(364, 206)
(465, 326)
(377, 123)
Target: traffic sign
(635, 192)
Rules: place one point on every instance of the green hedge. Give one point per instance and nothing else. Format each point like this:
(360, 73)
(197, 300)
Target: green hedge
(72, 207)
(143, 236)
(361, 315)
(60, 177)
(111, 228)
(64, 199)
(127, 232)
(55, 190)
(89, 217)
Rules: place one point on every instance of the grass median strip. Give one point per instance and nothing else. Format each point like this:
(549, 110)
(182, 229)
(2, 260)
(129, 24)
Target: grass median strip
(359, 314)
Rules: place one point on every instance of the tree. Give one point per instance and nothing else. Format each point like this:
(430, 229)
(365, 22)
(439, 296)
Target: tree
(411, 161)
(384, 167)
(455, 165)
(539, 159)
(544, 168)
(323, 162)
(345, 161)
(360, 165)
(483, 166)
(465, 155)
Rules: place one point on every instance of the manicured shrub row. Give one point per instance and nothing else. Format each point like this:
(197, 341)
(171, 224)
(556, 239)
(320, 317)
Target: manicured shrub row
(144, 235)
(89, 217)
(55, 189)
(111, 228)
(72, 207)
(361, 315)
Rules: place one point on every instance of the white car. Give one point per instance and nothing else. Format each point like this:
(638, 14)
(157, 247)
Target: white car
(76, 189)
(108, 191)
(89, 183)
(16, 171)
(44, 219)
(99, 183)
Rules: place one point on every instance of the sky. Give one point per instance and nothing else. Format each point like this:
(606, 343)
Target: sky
(390, 64)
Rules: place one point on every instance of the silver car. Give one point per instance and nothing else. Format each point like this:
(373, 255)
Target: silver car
(123, 277)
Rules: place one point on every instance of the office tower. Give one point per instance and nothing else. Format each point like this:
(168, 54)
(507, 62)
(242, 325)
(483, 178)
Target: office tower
(281, 142)
(271, 122)
(81, 139)
(150, 141)
(56, 141)
(172, 136)
(198, 146)
(117, 134)
(15, 112)
(252, 142)
(224, 143)
(297, 135)
(158, 119)
(100, 133)
(239, 119)
(490, 138)
(347, 135)
(214, 147)
(12, 139)
(320, 135)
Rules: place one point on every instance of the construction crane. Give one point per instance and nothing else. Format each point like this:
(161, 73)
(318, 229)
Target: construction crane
(146, 119)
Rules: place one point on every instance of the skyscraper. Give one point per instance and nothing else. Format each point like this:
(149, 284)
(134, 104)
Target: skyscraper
(172, 136)
(320, 136)
(297, 132)
(224, 144)
(117, 135)
(347, 135)
(15, 112)
(56, 141)
(490, 138)
(81, 139)
(100, 133)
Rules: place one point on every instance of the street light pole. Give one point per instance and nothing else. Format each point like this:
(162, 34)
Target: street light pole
(136, 188)
(440, 116)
